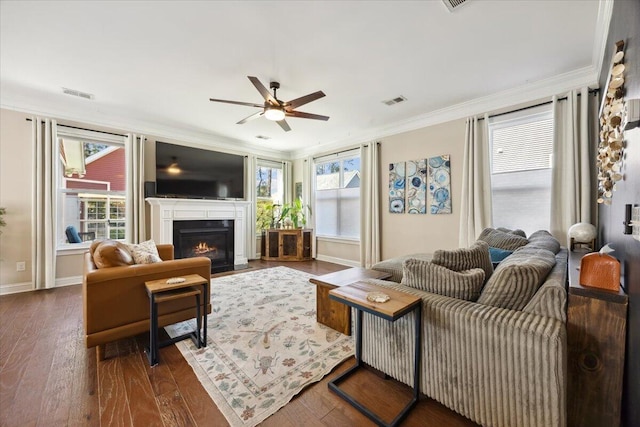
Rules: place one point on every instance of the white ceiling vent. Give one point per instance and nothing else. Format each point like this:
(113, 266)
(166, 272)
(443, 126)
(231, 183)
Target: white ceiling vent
(453, 4)
(395, 100)
(77, 93)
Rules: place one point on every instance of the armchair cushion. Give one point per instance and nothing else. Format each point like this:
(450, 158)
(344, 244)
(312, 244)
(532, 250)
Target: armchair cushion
(145, 252)
(109, 253)
(437, 279)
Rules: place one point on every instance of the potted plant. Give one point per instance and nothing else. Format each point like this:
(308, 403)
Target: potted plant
(287, 215)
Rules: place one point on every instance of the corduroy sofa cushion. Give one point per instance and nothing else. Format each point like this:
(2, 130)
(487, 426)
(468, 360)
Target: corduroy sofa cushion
(517, 231)
(502, 240)
(517, 278)
(475, 256)
(544, 240)
(437, 279)
(394, 267)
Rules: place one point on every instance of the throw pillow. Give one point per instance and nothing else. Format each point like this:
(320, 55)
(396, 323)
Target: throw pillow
(475, 256)
(517, 278)
(434, 278)
(109, 253)
(502, 240)
(145, 252)
(498, 255)
(517, 231)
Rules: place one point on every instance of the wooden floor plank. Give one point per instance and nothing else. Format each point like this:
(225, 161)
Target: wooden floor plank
(43, 351)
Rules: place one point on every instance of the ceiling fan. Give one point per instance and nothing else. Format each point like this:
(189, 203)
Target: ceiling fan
(276, 110)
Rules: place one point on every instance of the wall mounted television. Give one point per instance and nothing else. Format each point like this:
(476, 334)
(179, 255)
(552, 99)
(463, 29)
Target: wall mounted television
(194, 173)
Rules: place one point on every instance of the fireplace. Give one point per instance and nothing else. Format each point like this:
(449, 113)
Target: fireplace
(210, 238)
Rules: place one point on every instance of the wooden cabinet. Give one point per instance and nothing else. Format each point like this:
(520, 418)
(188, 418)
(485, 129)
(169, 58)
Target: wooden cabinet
(596, 327)
(286, 244)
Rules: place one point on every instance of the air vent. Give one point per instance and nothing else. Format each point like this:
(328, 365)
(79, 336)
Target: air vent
(262, 137)
(77, 93)
(453, 4)
(395, 100)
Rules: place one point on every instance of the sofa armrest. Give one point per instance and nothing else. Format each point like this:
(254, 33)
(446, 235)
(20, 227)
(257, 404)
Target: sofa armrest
(493, 365)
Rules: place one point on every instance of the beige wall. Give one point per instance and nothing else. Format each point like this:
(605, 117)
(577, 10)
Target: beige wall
(16, 183)
(403, 233)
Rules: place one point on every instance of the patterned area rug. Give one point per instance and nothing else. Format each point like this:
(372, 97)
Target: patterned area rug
(264, 344)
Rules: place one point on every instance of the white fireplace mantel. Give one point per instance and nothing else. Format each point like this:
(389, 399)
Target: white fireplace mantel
(165, 211)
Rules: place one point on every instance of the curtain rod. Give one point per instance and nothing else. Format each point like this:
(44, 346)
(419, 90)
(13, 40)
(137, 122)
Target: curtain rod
(534, 106)
(90, 130)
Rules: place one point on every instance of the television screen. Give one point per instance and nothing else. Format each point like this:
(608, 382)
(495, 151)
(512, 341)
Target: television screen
(197, 173)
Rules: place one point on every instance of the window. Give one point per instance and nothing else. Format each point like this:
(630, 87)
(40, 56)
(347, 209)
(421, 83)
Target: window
(91, 188)
(269, 191)
(521, 161)
(337, 196)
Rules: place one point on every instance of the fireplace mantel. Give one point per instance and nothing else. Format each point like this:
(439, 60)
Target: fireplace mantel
(165, 211)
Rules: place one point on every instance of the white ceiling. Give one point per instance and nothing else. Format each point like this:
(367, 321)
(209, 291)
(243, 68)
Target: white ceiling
(153, 65)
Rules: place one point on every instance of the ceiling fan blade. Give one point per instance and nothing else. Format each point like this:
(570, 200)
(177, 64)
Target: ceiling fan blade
(251, 117)
(302, 115)
(263, 91)
(295, 103)
(248, 104)
(284, 125)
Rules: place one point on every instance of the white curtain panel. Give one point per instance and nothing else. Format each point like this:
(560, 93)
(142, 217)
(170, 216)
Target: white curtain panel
(307, 192)
(45, 164)
(135, 206)
(475, 208)
(370, 204)
(287, 181)
(571, 189)
(251, 195)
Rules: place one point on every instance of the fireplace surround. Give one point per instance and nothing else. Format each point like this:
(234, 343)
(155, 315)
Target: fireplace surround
(165, 212)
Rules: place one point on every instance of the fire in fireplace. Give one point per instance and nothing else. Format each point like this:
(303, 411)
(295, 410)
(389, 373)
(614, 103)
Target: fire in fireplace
(210, 238)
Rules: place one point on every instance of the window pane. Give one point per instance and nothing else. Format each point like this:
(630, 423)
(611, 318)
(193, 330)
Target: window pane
(327, 213)
(92, 188)
(351, 173)
(328, 175)
(269, 191)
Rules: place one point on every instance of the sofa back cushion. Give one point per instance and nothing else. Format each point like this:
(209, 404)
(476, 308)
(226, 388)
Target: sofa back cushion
(394, 267)
(517, 231)
(502, 240)
(551, 298)
(475, 256)
(109, 253)
(434, 278)
(517, 278)
(544, 240)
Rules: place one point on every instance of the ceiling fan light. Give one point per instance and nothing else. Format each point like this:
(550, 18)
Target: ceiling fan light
(274, 113)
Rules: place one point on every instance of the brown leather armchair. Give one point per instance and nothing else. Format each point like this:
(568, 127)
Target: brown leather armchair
(115, 300)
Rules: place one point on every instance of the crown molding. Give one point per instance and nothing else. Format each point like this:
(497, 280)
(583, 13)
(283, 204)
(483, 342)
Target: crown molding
(546, 88)
(605, 11)
(16, 101)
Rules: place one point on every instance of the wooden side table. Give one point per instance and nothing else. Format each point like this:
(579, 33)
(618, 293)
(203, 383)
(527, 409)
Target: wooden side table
(399, 305)
(160, 291)
(334, 314)
(596, 329)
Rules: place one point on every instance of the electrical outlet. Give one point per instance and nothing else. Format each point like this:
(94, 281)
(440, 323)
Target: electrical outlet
(21, 266)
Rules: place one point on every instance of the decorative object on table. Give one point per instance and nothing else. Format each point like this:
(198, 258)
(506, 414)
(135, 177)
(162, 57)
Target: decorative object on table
(265, 344)
(582, 236)
(416, 186)
(175, 280)
(378, 297)
(600, 270)
(440, 184)
(396, 187)
(612, 123)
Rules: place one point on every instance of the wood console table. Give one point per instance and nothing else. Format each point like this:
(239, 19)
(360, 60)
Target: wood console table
(282, 244)
(596, 328)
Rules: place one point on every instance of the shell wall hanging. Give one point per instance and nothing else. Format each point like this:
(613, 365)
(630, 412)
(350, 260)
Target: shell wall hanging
(612, 119)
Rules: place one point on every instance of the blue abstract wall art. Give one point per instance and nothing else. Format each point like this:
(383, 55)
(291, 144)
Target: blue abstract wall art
(396, 187)
(417, 186)
(440, 184)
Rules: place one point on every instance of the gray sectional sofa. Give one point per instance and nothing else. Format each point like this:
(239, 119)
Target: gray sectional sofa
(500, 359)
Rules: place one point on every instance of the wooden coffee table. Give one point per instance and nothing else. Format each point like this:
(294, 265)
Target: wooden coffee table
(332, 313)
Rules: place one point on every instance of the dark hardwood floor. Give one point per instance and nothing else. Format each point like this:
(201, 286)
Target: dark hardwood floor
(49, 378)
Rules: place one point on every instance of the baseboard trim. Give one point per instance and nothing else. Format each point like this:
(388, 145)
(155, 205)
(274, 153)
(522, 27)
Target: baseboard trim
(68, 281)
(341, 261)
(15, 288)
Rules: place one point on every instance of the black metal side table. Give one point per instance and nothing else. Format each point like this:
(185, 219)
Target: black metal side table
(160, 291)
(399, 305)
